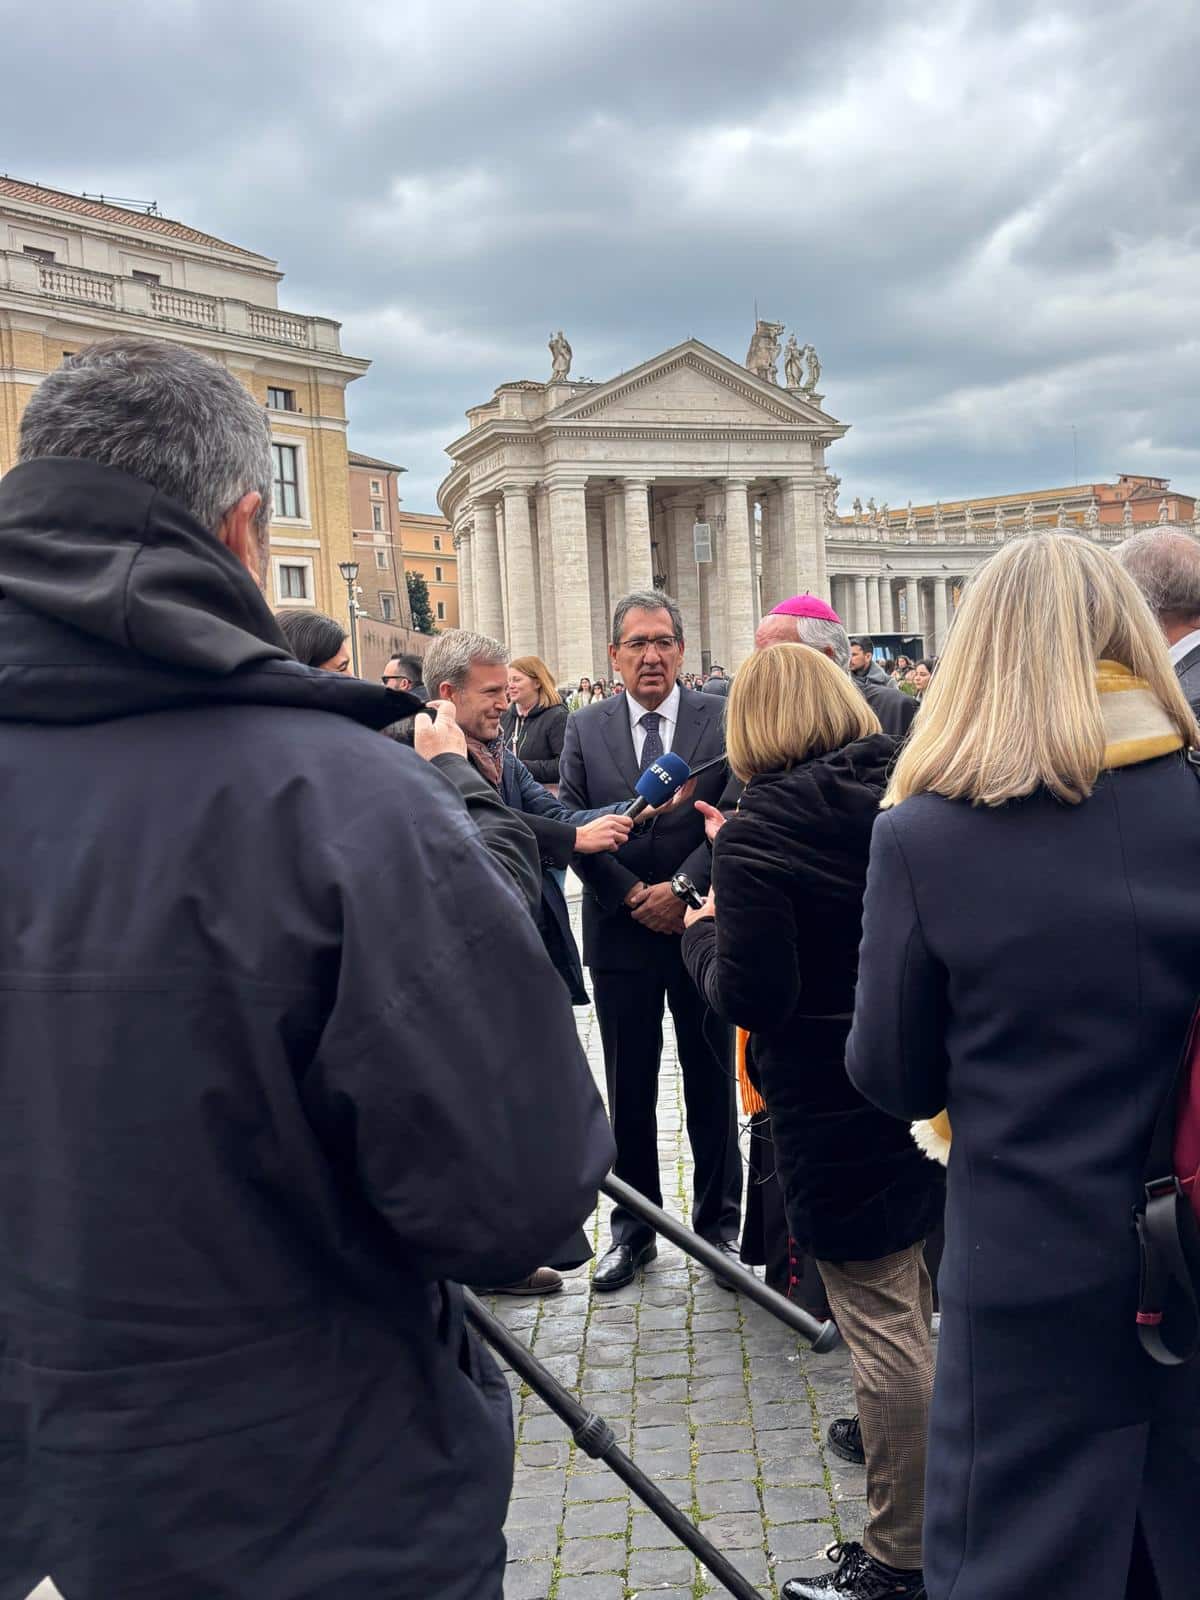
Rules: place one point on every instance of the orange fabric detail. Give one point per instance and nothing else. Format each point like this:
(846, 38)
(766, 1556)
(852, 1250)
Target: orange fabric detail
(752, 1101)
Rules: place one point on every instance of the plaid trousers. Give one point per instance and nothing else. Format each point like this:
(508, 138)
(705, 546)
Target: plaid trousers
(883, 1309)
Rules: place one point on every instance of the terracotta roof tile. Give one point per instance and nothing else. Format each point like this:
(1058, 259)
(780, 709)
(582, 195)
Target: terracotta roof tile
(102, 211)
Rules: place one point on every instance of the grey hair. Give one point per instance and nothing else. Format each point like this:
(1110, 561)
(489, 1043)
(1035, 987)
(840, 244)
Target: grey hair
(164, 413)
(452, 655)
(1165, 565)
(646, 600)
(825, 635)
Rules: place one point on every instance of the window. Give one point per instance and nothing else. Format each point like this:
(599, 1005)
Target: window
(387, 604)
(286, 481)
(293, 582)
(377, 518)
(437, 541)
(145, 277)
(37, 252)
(381, 560)
(437, 575)
(376, 486)
(277, 399)
(441, 611)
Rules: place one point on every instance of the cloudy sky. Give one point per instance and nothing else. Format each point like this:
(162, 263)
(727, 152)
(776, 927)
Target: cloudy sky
(986, 216)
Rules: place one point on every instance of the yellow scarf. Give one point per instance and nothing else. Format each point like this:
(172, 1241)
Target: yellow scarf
(1136, 728)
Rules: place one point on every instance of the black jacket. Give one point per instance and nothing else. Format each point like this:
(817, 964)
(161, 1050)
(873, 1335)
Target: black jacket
(894, 710)
(537, 738)
(780, 959)
(264, 1079)
(1033, 967)
(1187, 671)
(599, 767)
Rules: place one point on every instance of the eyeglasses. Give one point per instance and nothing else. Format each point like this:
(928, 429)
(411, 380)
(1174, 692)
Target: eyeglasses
(393, 677)
(664, 642)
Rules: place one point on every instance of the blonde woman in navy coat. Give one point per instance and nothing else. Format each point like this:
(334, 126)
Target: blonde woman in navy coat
(1030, 963)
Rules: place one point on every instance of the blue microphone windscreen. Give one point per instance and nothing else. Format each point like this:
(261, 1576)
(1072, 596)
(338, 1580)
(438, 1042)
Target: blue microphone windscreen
(662, 777)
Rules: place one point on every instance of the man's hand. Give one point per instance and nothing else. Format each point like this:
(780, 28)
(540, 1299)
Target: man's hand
(679, 798)
(698, 913)
(660, 909)
(442, 737)
(714, 820)
(604, 833)
(636, 895)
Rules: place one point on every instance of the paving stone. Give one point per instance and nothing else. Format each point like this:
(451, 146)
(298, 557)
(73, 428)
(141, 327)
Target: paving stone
(678, 1438)
(796, 1418)
(539, 1539)
(534, 1513)
(662, 1390)
(716, 1437)
(651, 1534)
(598, 1586)
(655, 1568)
(801, 1541)
(734, 1495)
(662, 1364)
(752, 1564)
(796, 1504)
(728, 1409)
(597, 1518)
(652, 1415)
(738, 1530)
(726, 1466)
(527, 1580)
(593, 1555)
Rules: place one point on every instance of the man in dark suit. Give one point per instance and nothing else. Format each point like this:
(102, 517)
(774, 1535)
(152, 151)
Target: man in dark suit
(1165, 565)
(632, 921)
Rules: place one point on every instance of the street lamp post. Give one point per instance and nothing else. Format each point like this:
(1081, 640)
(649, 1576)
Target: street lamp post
(349, 571)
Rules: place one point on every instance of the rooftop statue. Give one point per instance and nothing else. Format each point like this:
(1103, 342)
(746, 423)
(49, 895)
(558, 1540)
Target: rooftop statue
(763, 354)
(560, 350)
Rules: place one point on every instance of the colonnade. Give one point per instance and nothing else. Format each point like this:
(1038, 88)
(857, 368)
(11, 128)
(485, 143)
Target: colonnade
(919, 604)
(542, 564)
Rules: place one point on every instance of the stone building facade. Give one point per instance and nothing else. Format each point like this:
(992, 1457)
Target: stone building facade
(428, 545)
(564, 495)
(74, 270)
(374, 516)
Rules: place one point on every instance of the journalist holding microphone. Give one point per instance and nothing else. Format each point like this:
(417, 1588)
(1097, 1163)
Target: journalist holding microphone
(248, 1128)
(778, 956)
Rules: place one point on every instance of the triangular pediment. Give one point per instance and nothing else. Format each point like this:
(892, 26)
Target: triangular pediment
(693, 386)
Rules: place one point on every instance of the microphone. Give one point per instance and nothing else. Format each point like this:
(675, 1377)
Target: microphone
(659, 782)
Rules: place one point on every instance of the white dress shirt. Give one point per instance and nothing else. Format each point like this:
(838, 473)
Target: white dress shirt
(1181, 646)
(668, 714)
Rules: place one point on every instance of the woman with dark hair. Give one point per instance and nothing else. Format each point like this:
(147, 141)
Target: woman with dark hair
(315, 639)
(536, 719)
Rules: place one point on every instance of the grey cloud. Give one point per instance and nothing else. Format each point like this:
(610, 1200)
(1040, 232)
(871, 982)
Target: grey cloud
(985, 215)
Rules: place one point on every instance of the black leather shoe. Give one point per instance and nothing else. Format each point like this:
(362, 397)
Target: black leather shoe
(845, 1439)
(728, 1247)
(619, 1266)
(856, 1576)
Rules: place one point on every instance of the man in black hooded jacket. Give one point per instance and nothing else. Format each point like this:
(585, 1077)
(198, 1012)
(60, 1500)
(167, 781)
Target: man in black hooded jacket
(249, 1132)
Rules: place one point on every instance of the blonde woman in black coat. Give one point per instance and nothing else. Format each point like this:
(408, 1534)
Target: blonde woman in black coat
(536, 720)
(780, 959)
(1030, 961)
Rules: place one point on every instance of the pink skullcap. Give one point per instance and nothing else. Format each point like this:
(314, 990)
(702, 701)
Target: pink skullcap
(805, 605)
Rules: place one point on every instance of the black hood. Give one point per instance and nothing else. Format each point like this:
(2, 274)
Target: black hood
(834, 793)
(115, 601)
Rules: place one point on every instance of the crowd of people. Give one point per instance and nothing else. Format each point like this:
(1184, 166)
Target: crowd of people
(289, 1051)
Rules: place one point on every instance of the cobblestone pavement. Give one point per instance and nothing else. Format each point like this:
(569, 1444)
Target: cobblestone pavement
(717, 1401)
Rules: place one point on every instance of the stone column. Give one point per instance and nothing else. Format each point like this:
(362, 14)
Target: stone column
(859, 622)
(522, 635)
(545, 547)
(712, 585)
(772, 529)
(466, 592)
(637, 534)
(502, 550)
(873, 605)
(941, 620)
(597, 589)
(489, 611)
(614, 542)
(758, 534)
(912, 606)
(687, 580)
(568, 532)
(803, 540)
(739, 574)
(887, 619)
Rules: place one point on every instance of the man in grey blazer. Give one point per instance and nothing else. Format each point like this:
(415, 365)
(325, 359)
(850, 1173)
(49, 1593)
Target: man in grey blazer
(1165, 565)
(632, 922)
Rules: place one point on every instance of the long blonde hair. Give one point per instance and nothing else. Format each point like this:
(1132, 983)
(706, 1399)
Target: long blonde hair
(789, 703)
(1013, 706)
(534, 667)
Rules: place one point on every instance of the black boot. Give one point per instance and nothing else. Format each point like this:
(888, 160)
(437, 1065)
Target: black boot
(857, 1576)
(844, 1438)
